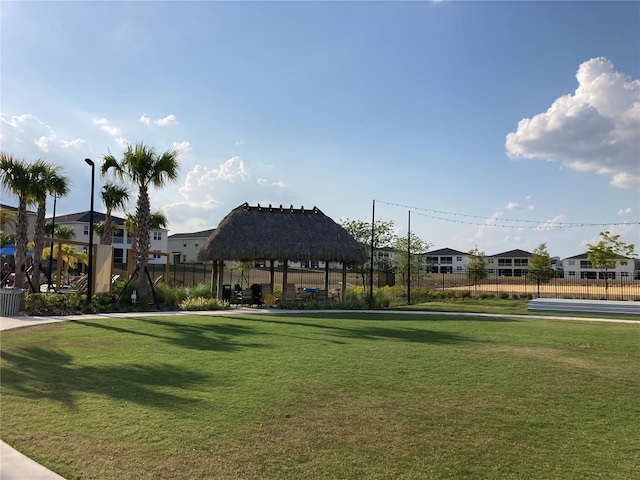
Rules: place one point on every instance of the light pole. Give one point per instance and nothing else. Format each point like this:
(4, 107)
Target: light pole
(90, 267)
(53, 235)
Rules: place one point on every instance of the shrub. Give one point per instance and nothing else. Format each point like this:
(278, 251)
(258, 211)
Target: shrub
(202, 303)
(54, 303)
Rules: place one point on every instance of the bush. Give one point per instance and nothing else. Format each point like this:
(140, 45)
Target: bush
(202, 303)
(54, 303)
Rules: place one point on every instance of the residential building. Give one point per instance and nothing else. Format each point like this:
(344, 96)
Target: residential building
(184, 247)
(446, 260)
(513, 263)
(579, 266)
(121, 241)
(8, 220)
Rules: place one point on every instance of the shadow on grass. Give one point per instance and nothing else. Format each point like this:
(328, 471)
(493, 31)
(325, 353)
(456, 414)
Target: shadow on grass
(354, 331)
(209, 337)
(35, 372)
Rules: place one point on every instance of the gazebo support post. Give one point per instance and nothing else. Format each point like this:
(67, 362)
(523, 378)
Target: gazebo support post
(272, 273)
(284, 278)
(343, 293)
(326, 276)
(214, 278)
(220, 279)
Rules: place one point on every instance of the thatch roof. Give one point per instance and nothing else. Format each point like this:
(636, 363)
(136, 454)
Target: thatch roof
(280, 233)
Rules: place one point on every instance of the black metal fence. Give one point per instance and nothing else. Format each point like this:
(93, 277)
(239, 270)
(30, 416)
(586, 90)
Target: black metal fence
(461, 284)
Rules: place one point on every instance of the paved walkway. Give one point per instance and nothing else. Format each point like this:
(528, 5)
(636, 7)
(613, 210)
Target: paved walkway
(16, 466)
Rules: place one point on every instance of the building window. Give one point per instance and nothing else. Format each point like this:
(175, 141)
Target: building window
(458, 259)
(157, 235)
(86, 229)
(503, 262)
(197, 243)
(184, 244)
(155, 255)
(490, 260)
(585, 264)
(520, 262)
(572, 262)
(446, 260)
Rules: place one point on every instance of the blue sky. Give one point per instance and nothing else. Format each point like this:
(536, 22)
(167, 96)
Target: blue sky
(494, 111)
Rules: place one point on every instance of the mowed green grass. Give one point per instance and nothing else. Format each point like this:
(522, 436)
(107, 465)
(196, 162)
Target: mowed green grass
(325, 396)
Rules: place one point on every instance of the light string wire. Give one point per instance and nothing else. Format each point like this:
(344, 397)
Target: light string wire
(496, 221)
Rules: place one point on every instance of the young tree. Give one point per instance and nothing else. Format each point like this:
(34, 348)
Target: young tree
(143, 167)
(16, 176)
(476, 266)
(605, 254)
(113, 197)
(417, 247)
(540, 266)
(383, 236)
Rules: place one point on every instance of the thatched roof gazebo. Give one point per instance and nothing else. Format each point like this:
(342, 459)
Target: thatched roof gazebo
(252, 233)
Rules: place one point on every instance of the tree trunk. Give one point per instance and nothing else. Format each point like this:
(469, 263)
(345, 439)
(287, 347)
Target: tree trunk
(141, 244)
(22, 238)
(38, 244)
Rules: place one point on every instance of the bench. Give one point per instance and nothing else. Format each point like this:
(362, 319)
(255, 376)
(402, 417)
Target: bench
(584, 306)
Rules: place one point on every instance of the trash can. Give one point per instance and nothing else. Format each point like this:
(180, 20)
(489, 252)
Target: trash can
(10, 301)
(226, 293)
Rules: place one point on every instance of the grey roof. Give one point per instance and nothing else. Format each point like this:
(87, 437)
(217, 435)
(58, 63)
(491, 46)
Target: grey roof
(446, 251)
(280, 233)
(517, 253)
(202, 234)
(84, 217)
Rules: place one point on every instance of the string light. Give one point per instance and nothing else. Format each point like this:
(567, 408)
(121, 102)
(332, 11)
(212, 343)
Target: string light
(467, 219)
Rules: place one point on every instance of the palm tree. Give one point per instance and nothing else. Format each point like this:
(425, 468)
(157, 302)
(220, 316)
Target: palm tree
(143, 167)
(70, 256)
(16, 176)
(114, 197)
(47, 181)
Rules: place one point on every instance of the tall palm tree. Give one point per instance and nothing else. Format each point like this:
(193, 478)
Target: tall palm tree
(16, 176)
(47, 181)
(142, 166)
(157, 220)
(114, 197)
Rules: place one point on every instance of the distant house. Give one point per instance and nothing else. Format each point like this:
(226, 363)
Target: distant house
(121, 242)
(579, 266)
(513, 263)
(8, 220)
(184, 247)
(446, 260)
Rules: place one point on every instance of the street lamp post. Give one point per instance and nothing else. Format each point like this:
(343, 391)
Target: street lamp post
(90, 267)
(53, 234)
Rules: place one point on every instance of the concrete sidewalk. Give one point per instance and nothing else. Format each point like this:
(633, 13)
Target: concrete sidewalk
(16, 466)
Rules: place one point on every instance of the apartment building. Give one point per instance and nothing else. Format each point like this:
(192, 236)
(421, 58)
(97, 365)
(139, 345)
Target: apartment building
(121, 243)
(579, 266)
(446, 260)
(184, 247)
(513, 263)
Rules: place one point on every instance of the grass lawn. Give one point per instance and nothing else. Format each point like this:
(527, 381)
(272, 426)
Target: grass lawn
(325, 396)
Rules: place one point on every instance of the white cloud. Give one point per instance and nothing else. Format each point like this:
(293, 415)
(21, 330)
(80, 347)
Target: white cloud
(552, 224)
(593, 130)
(43, 143)
(513, 206)
(144, 119)
(114, 132)
(18, 131)
(182, 147)
(210, 193)
(166, 121)
(624, 211)
(72, 143)
(239, 142)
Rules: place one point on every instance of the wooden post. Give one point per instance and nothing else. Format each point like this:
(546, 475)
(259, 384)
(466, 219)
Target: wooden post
(284, 278)
(214, 278)
(326, 276)
(220, 279)
(343, 293)
(272, 274)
